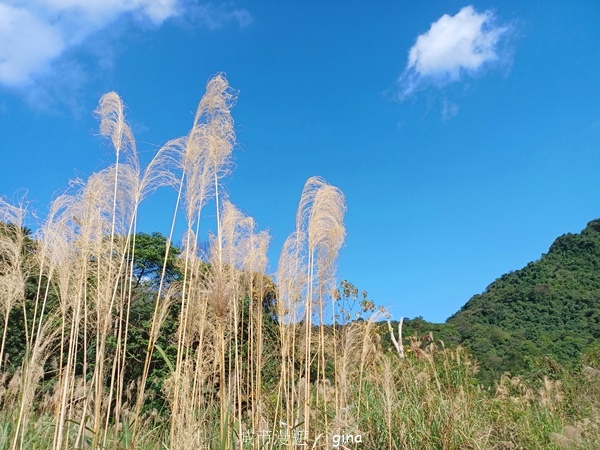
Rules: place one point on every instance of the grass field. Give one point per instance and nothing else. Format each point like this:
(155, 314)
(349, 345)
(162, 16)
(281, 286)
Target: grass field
(218, 355)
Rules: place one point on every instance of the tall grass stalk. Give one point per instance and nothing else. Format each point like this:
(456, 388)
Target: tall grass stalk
(12, 270)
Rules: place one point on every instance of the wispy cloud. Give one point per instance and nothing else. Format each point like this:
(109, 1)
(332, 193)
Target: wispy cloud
(215, 17)
(35, 34)
(26, 44)
(449, 109)
(454, 47)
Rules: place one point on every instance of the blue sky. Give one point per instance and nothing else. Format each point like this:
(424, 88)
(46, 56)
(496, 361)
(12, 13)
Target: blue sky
(465, 136)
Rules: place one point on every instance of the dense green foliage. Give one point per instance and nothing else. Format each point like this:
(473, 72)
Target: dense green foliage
(535, 319)
(548, 309)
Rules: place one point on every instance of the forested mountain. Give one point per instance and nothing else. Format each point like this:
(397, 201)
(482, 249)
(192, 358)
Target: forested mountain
(547, 312)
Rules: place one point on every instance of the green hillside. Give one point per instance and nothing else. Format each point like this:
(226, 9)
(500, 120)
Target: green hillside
(550, 308)
(533, 318)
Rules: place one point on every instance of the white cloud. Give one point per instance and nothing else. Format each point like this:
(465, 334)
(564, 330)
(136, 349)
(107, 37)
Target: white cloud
(35, 34)
(26, 44)
(104, 11)
(453, 47)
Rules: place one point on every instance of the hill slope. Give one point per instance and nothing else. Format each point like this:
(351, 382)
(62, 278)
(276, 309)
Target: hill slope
(551, 307)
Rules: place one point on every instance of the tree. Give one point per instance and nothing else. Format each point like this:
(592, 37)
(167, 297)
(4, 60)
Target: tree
(149, 260)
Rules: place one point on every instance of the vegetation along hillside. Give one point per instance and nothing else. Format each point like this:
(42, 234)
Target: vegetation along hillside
(545, 314)
(550, 307)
